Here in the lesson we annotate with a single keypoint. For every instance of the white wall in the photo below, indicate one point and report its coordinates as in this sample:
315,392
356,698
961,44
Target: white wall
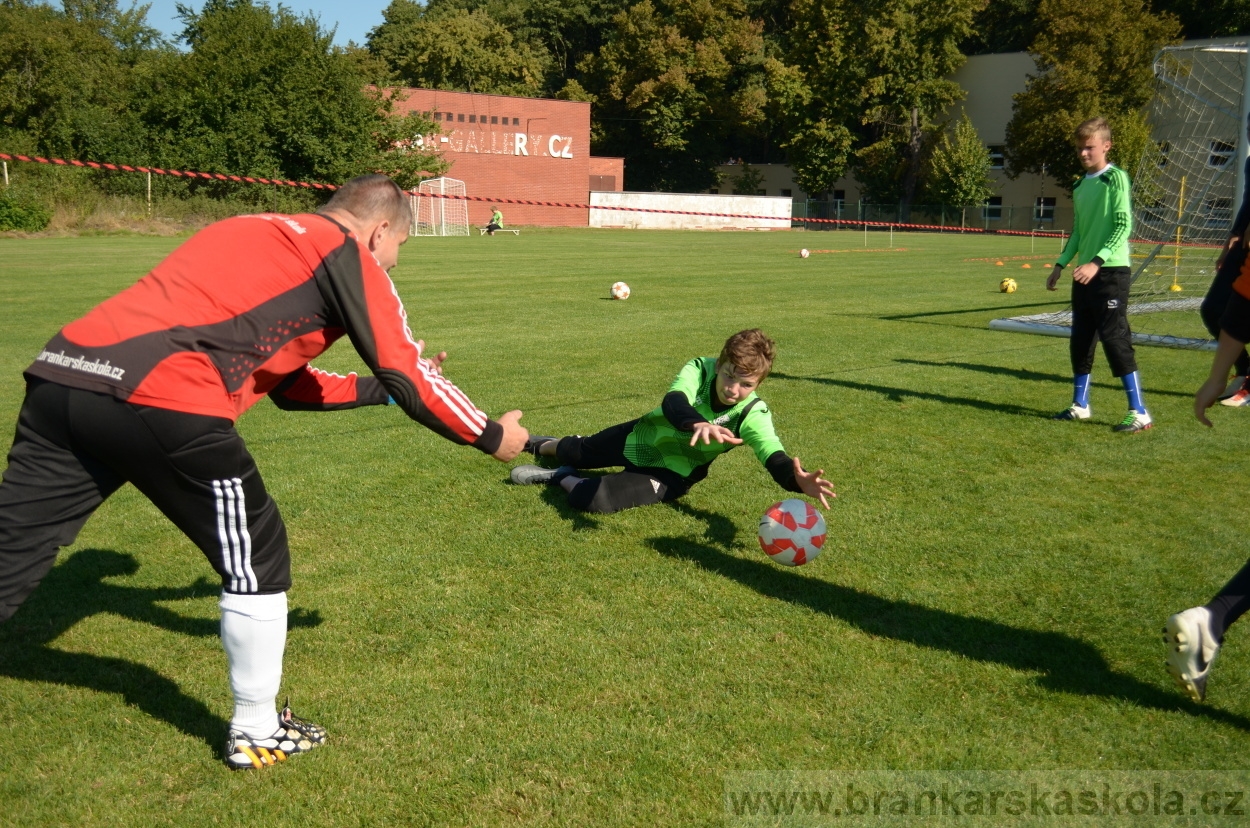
775,212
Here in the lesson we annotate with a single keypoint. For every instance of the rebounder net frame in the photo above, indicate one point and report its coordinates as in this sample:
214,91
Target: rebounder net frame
1186,190
436,210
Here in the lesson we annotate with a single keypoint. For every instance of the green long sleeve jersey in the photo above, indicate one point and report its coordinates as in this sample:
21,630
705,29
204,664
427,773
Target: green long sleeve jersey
1103,221
656,442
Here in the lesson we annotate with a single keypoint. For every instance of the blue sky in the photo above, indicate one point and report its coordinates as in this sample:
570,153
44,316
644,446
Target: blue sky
353,19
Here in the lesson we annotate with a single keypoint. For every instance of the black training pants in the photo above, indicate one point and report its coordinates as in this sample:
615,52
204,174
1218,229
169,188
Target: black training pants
635,486
1100,312
1216,300
74,448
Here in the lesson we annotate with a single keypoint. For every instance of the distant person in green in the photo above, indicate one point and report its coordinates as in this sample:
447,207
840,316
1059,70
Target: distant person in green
1100,282
496,221
709,409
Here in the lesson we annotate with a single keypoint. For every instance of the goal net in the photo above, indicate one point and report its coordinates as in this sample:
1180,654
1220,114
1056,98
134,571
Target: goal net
1186,191
434,213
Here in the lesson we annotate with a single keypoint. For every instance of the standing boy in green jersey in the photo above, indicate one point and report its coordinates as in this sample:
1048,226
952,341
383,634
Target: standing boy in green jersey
710,408
1100,282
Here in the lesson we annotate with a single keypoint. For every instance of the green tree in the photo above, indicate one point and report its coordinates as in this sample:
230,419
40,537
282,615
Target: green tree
67,78
675,80
959,171
1086,69
263,92
453,48
1208,18
880,71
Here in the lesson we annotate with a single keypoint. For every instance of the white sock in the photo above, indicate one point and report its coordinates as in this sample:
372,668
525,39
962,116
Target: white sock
253,633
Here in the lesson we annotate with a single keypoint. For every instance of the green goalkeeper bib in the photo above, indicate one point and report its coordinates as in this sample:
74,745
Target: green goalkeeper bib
656,443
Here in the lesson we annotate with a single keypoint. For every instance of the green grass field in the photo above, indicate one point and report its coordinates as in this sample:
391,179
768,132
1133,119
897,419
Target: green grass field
990,597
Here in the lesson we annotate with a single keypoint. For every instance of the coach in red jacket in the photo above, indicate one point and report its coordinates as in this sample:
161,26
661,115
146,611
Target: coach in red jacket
147,386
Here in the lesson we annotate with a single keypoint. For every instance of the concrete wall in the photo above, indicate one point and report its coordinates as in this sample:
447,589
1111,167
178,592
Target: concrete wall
776,211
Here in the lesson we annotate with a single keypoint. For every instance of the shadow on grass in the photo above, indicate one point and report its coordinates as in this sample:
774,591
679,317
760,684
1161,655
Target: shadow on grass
899,395
1035,376
75,591
1065,664
911,317
558,499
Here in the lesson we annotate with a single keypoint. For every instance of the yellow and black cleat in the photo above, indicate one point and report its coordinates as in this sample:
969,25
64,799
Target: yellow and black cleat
294,735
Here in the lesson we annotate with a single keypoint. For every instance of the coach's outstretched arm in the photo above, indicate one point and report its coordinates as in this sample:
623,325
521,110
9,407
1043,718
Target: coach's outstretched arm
359,292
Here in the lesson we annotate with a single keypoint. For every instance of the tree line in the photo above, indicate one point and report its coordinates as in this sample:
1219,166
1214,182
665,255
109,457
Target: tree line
677,86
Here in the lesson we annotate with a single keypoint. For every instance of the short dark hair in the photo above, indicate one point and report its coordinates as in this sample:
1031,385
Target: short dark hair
372,197
750,351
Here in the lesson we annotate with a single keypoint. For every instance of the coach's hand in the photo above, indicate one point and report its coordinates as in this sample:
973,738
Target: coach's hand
1054,277
707,432
514,436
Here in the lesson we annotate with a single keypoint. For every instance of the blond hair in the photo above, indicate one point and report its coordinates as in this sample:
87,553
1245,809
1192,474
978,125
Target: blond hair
1094,127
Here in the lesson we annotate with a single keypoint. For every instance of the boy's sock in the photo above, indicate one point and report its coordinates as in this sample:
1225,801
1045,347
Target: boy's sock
1080,390
1132,387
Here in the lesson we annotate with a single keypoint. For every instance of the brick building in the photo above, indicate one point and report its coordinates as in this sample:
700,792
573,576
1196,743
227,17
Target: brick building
524,148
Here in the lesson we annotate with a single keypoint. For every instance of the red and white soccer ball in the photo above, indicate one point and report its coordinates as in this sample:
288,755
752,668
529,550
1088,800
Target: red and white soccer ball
620,290
804,253
792,532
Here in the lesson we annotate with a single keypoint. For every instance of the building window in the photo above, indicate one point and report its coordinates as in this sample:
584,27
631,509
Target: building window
473,119
996,156
993,208
460,117
1221,153
1044,208
516,121
1219,212
788,193
494,119
714,192
438,116
839,198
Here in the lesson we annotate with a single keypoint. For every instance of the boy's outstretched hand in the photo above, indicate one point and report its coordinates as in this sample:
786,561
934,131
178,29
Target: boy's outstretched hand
707,432
813,484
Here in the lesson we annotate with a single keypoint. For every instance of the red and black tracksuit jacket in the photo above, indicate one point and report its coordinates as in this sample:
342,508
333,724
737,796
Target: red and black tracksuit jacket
238,311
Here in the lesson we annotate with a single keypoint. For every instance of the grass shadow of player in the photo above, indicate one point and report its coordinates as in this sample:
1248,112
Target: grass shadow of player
558,499
76,590
900,395
1063,663
914,317
1036,376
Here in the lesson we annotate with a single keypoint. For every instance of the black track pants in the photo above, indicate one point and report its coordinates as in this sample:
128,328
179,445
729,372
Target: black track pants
635,486
74,448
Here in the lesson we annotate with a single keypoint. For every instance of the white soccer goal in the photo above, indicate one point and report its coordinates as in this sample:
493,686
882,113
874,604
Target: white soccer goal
1186,190
433,214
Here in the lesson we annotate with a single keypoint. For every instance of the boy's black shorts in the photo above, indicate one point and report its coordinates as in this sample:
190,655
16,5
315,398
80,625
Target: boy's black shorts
635,486
74,448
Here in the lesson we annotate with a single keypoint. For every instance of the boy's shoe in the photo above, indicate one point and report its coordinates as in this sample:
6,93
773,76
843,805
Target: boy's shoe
1191,649
294,735
1235,385
533,443
525,475
1237,399
1073,412
1134,422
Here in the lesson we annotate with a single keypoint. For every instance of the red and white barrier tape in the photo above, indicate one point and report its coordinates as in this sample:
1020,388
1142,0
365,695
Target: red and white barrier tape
243,179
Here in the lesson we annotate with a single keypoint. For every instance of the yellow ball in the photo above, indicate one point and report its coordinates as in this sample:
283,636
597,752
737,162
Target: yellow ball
1007,286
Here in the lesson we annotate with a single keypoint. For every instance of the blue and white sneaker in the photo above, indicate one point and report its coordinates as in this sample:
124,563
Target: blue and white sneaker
1073,412
1191,649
